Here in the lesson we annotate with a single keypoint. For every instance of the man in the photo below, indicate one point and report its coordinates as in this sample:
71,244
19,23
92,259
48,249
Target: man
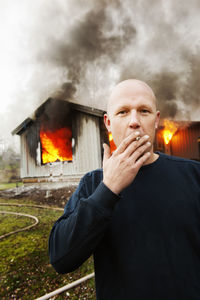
140,216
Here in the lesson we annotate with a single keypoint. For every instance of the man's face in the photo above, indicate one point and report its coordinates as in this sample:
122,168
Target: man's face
132,108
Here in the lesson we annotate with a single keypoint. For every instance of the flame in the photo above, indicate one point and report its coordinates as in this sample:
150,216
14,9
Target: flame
169,130
112,143
56,145
167,135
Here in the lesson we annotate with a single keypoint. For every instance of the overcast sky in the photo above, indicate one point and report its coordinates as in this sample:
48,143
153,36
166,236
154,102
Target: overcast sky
93,45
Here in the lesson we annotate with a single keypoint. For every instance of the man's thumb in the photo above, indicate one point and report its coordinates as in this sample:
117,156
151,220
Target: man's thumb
107,152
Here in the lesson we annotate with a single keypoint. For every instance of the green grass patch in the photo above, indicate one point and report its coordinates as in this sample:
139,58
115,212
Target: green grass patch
25,272
10,223
10,185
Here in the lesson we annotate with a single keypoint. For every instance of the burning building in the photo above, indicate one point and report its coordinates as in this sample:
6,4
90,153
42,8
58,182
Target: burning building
179,138
61,142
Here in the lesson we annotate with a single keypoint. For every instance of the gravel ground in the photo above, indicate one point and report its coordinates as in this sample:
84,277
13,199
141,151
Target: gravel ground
51,197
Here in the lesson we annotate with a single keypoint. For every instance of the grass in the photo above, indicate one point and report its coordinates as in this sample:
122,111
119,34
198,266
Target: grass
9,185
25,272
10,223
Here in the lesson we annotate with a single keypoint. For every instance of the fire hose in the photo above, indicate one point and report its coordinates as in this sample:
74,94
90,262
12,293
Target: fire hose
62,289
21,229
66,287
23,215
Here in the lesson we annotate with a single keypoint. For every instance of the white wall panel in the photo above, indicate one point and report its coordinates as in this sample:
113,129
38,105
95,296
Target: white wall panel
86,157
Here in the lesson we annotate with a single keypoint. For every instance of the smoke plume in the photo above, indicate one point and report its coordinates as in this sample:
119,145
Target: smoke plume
93,41
78,50
116,40
52,115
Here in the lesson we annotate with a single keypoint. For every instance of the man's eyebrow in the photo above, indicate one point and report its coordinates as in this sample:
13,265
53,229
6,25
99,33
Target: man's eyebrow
145,106
122,107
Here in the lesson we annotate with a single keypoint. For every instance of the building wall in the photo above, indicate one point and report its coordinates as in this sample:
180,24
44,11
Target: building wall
86,154
185,142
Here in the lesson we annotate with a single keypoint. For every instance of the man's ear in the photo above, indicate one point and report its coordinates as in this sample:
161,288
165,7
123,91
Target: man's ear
107,122
157,119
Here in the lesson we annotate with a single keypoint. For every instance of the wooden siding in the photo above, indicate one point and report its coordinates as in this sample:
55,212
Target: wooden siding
86,156
185,143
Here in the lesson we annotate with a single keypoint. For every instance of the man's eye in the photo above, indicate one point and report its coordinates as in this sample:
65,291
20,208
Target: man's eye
144,111
122,112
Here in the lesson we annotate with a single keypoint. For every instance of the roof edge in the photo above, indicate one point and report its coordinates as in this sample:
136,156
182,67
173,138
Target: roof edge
21,127
76,106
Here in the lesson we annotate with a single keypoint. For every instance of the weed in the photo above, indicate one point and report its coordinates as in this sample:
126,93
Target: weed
24,266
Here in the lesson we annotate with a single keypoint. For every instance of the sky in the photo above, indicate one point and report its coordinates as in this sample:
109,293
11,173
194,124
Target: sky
23,84
51,46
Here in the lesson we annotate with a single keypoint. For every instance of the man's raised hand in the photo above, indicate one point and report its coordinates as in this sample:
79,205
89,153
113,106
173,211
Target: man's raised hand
121,167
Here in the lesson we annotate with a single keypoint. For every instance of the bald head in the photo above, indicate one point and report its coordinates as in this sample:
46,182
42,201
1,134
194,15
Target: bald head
131,108
129,87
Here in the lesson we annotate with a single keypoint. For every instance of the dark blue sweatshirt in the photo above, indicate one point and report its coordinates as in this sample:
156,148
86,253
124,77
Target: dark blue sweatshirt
146,243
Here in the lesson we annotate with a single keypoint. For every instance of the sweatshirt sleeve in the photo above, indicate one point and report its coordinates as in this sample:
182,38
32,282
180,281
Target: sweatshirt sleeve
78,231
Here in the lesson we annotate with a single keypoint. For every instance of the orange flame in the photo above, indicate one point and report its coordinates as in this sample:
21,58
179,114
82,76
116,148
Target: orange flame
169,130
56,145
111,142
167,135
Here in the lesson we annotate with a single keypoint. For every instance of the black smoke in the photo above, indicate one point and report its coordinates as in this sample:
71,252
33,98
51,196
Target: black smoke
51,115
93,37
154,41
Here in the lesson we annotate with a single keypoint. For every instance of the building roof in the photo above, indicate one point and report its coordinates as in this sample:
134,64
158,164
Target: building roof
21,127
74,106
180,124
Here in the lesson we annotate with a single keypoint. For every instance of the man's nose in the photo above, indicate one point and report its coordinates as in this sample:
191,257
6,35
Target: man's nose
134,120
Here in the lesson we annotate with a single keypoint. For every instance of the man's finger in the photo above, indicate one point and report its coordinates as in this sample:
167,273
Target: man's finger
124,144
131,148
140,151
139,163
107,152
